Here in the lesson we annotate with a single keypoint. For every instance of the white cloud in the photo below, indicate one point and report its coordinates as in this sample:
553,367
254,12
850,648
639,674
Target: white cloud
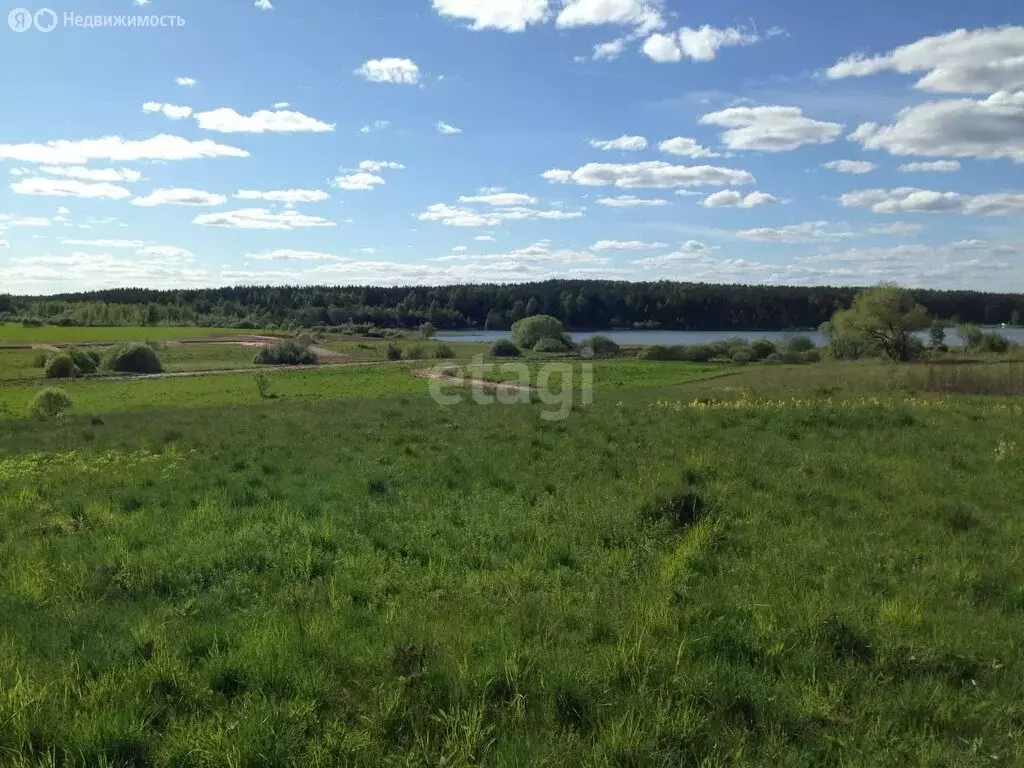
850,166
729,198
690,252
663,49
631,201
179,196
133,244
69,188
357,182
900,228
638,13
264,5
963,61
912,200
261,218
287,254
989,129
284,195
168,252
373,166
23,221
467,217
187,82
622,144
506,15
501,199
169,110
651,174
700,44
936,166
447,130
83,173
391,70
807,232
116,149
770,128
610,50
625,245
226,120
685,147
376,125
484,238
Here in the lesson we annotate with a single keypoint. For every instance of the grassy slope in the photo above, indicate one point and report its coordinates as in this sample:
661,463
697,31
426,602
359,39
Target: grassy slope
381,581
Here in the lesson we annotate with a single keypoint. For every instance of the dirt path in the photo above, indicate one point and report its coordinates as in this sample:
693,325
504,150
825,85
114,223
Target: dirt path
462,381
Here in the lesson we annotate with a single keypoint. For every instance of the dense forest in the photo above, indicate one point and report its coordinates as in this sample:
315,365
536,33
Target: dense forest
582,305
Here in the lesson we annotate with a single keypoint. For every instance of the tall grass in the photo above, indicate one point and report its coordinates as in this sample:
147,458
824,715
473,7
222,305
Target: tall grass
1005,378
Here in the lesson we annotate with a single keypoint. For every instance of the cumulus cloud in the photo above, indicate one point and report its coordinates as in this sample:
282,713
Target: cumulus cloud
261,218
373,166
625,245
187,82
288,254
936,166
104,243
631,201
622,144
913,200
69,188
116,149
502,199
455,216
610,50
283,195
179,196
82,173
850,166
264,5
729,198
447,130
357,182
651,174
23,221
963,61
701,44
807,232
685,147
989,128
169,110
376,125
226,120
506,15
896,228
642,14
390,70
771,128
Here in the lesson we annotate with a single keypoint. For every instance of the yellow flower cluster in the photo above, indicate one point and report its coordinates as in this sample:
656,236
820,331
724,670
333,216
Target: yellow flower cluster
32,465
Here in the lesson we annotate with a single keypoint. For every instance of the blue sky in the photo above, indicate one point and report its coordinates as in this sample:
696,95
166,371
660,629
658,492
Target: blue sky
444,141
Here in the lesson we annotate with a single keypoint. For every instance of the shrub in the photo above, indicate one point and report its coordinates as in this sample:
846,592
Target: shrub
50,403
773,359
444,352
31,322
86,360
133,358
993,342
799,344
59,367
415,352
549,345
262,383
601,346
719,359
700,353
39,361
791,356
285,352
530,330
662,352
428,331
742,356
504,348
812,356
394,351
761,348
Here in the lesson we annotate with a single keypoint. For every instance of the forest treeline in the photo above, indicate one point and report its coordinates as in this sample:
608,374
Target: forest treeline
583,305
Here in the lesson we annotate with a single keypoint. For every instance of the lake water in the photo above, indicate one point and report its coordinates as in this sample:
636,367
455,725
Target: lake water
696,337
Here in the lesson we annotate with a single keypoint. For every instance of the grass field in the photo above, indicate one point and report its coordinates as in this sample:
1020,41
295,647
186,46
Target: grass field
708,566
14,333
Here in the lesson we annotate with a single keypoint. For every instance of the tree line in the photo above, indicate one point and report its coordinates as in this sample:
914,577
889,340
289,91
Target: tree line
580,305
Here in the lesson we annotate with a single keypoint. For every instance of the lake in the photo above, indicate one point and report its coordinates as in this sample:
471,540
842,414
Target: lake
687,338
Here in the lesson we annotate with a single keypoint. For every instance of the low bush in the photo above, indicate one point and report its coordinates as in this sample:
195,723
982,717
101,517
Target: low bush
394,351
50,403
550,345
415,352
285,352
662,352
86,360
59,367
799,343
720,359
504,348
993,342
793,357
133,358
773,359
742,356
701,353
444,352
812,356
39,361
761,348
601,346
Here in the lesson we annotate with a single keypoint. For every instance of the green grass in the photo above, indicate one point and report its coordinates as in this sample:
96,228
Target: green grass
15,333
353,575
206,357
18,364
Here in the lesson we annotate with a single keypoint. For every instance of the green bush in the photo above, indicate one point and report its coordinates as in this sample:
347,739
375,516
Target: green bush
428,331
444,352
761,348
504,348
286,352
993,342
742,356
662,352
773,359
812,356
793,357
86,360
39,361
50,403
394,351
415,352
701,353
601,346
530,330
133,358
549,345
799,344
719,359
59,367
